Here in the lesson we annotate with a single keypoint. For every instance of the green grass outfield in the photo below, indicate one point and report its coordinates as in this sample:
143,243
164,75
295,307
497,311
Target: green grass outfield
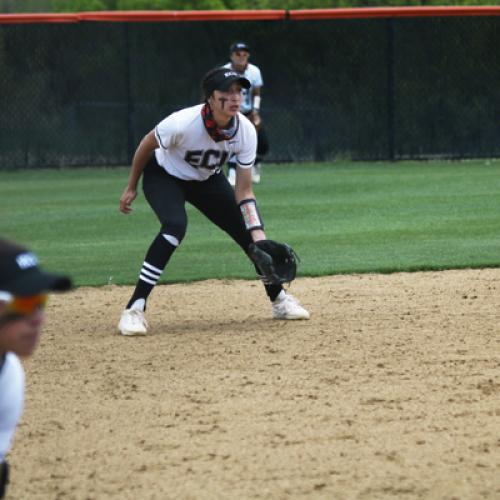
340,218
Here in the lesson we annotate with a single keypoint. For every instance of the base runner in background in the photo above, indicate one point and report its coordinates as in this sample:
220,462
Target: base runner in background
23,289
239,54
181,161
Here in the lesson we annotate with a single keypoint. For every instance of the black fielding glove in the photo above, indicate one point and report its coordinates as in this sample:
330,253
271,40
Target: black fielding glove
276,261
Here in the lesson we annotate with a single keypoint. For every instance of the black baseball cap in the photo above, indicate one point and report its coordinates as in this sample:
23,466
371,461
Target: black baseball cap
222,79
20,273
235,47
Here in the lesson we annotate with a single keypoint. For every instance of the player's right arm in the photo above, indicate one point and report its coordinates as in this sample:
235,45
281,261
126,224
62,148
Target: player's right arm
141,157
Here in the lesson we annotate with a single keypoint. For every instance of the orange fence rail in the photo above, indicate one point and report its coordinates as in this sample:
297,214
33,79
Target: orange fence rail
387,12
248,15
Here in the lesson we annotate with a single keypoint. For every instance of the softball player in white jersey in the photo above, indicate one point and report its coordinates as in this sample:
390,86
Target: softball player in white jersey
239,54
181,161
23,288
11,408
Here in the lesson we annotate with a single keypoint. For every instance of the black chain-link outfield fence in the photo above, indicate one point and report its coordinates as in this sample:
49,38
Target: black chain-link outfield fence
372,89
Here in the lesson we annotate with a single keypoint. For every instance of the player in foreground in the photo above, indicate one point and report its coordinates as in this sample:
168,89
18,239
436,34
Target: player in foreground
23,289
181,161
239,54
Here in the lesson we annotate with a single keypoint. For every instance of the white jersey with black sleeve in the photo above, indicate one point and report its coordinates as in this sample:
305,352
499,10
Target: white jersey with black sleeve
187,151
11,400
253,74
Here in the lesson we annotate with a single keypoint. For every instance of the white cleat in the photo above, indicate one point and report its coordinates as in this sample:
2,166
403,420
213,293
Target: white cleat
287,307
256,173
132,322
231,176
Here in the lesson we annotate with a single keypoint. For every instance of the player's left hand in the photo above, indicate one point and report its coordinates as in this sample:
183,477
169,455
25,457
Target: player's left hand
128,196
256,119
276,261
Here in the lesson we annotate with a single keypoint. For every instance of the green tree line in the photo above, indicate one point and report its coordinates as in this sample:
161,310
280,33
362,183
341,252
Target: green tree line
9,6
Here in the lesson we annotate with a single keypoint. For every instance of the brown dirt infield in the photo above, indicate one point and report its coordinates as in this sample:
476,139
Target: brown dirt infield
391,390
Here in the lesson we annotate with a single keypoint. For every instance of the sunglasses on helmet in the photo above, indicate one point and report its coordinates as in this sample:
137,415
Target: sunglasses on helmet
18,306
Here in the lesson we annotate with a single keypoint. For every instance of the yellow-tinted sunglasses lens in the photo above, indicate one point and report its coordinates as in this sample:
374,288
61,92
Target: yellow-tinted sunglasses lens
26,306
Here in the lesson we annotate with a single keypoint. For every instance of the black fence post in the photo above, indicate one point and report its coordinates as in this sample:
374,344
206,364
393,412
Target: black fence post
390,88
128,95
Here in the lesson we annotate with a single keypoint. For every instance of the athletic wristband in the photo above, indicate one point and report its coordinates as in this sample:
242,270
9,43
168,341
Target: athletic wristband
256,103
251,214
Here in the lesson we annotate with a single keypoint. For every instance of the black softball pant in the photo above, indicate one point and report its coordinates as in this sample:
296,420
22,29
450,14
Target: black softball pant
262,143
167,196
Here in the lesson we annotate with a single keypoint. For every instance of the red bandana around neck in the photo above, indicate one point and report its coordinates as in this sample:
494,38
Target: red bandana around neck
215,132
